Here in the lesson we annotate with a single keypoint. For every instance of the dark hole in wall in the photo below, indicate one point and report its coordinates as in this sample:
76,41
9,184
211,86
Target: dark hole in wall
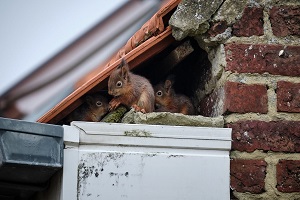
185,60
191,72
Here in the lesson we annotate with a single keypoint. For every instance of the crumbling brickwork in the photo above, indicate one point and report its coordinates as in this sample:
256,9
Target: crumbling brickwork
255,46
263,58
260,92
276,136
248,175
285,20
288,97
250,24
288,176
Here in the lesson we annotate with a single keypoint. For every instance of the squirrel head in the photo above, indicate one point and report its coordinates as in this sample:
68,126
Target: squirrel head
119,80
98,104
163,93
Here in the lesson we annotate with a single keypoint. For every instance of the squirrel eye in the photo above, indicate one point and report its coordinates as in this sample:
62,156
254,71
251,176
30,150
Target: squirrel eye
119,84
99,103
159,93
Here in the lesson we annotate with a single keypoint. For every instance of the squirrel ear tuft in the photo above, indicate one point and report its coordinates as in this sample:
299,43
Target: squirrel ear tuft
124,69
168,85
122,63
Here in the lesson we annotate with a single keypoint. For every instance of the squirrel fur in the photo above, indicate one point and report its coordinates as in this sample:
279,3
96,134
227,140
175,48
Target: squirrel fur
167,100
130,90
94,107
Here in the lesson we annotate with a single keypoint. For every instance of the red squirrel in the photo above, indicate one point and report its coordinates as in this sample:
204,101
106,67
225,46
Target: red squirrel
130,90
168,101
94,107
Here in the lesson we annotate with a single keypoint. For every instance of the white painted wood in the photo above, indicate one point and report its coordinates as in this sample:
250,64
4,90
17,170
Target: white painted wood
101,128
70,167
71,136
161,162
70,175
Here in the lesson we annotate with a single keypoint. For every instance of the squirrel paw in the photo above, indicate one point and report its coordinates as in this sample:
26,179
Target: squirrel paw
113,104
138,109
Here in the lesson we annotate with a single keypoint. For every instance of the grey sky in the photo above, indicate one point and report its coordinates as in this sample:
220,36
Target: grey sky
32,31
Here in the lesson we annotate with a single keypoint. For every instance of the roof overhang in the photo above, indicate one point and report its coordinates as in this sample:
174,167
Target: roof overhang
150,40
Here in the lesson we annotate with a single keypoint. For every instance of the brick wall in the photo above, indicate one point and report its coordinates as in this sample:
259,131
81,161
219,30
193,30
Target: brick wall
259,94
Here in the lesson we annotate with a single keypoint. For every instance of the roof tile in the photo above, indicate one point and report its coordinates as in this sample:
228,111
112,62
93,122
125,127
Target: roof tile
153,37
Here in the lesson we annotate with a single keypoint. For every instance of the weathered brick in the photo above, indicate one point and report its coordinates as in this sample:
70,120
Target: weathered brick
288,176
242,98
250,24
217,28
248,175
288,96
285,20
278,136
273,59
213,104
235,98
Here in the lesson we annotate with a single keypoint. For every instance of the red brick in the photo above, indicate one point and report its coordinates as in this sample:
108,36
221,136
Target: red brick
237,98
246,58
285,20
248,175
242,98
288,96
250,24
277,136
217,28
288,176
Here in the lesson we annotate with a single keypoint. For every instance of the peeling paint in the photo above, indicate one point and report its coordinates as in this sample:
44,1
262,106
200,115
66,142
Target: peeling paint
175,156
137,133
92,165
120,175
